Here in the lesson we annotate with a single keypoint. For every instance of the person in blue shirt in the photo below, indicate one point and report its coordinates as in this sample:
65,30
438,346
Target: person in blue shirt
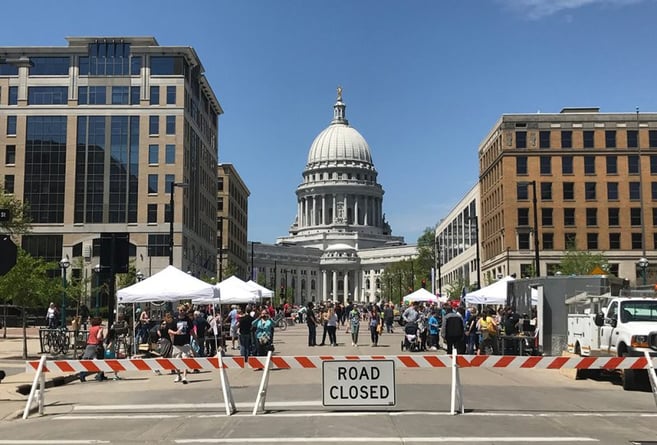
433,331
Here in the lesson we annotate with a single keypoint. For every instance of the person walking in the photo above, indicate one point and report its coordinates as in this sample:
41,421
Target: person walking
388,317
311,321
375,325
181,331
94,348
264,332
453,331
245,327
354,324
332,325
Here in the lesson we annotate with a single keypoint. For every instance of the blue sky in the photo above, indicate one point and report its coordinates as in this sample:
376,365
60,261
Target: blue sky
424,81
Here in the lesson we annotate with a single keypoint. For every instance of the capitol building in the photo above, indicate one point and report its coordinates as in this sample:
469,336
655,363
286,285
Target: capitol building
340,242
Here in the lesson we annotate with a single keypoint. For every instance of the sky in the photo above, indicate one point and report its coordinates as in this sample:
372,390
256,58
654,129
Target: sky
424,81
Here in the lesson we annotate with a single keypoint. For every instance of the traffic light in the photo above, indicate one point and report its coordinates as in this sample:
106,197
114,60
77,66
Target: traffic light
424,283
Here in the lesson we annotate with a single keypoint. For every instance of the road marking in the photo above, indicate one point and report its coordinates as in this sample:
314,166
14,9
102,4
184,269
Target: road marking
51,442
188,406
400,440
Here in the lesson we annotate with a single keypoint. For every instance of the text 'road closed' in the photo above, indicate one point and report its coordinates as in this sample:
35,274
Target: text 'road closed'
358,383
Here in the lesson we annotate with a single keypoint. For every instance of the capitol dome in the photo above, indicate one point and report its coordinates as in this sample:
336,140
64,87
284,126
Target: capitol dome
339,142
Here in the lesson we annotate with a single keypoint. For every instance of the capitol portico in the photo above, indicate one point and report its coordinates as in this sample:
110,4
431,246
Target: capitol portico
342,241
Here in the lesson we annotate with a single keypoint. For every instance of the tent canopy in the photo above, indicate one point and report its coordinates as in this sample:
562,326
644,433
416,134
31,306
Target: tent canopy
231,291
170,284
423,295
261,290
495,293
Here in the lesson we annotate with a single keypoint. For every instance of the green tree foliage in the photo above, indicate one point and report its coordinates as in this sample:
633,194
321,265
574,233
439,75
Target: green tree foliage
28,284
579,262
426,255
455,289
401,278
19,221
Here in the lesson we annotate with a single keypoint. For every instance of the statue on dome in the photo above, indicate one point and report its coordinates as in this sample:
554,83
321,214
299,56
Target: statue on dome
339,93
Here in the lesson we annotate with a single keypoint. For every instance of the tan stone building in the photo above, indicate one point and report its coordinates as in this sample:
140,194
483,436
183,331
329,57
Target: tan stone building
232,221
587,180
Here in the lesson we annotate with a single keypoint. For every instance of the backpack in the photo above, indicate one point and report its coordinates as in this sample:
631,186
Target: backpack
453,326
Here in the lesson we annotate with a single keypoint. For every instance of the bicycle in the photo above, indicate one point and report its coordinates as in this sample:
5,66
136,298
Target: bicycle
57,341
280,321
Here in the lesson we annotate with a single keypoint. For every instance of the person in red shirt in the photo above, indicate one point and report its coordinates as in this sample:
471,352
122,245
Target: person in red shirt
94,349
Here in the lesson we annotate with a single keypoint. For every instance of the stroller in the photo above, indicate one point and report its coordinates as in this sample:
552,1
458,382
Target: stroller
411,341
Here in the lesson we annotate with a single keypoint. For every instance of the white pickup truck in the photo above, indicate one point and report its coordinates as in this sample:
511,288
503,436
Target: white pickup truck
621,329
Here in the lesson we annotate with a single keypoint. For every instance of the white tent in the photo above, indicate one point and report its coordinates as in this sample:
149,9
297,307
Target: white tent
261,290
423,295
231,291
170,284
495,293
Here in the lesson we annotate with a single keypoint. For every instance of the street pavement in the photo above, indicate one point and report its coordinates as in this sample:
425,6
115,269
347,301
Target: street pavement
506,404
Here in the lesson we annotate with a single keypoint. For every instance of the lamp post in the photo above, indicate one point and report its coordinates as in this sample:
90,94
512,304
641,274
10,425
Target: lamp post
643,265
221,247
139,276
537,269
476,233
252,274
63,265
171,213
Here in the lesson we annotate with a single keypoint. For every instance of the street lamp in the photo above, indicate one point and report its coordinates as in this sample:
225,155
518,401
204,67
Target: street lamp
171,213
252,243
63,265
139,275
643,265
476,233
221,247
537,269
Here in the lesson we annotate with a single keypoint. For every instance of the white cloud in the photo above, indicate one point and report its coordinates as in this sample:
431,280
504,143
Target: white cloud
537,9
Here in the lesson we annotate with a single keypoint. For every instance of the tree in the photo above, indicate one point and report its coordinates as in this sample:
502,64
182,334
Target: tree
28,284
578,262
19,220
426,252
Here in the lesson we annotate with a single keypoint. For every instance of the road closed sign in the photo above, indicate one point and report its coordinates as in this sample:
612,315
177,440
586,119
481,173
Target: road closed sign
358,383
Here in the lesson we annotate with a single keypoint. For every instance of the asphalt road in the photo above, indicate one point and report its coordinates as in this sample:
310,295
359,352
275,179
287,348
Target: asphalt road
502,406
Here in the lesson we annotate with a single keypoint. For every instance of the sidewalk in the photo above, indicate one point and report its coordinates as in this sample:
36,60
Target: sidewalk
292,342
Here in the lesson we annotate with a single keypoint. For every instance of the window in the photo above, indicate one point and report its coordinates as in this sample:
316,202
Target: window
592,241
8,70
522,191
633,164
153,153
568,191
589,191
637,242
523,216
521,165
152,213
614,241
546,191
635,191
591,217
158,245
613,214
568,216
170,154
652,138
610,138
153,125
567,165
632,138
106,58
167,65
168,182
546,165
49,66
10,155
566,139
570,240
11,125
523,241
635,216
135,65
654,216
612,191
544,139
589,165
546,216
47,95
220,184
13,95
653,191
653,164
521,139
155,95
152,183
92,96
171,124
220,204
9,184
120,95
548,241
612,165
167,213
588,139
171,95
135,95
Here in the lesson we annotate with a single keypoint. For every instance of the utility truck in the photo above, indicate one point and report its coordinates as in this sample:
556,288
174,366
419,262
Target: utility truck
618,326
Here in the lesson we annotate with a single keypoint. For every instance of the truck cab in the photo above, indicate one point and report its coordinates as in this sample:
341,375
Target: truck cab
625,326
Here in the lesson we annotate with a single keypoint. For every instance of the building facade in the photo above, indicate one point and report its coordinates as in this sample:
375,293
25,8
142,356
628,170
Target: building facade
340,221
93,136
578,179
232,222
